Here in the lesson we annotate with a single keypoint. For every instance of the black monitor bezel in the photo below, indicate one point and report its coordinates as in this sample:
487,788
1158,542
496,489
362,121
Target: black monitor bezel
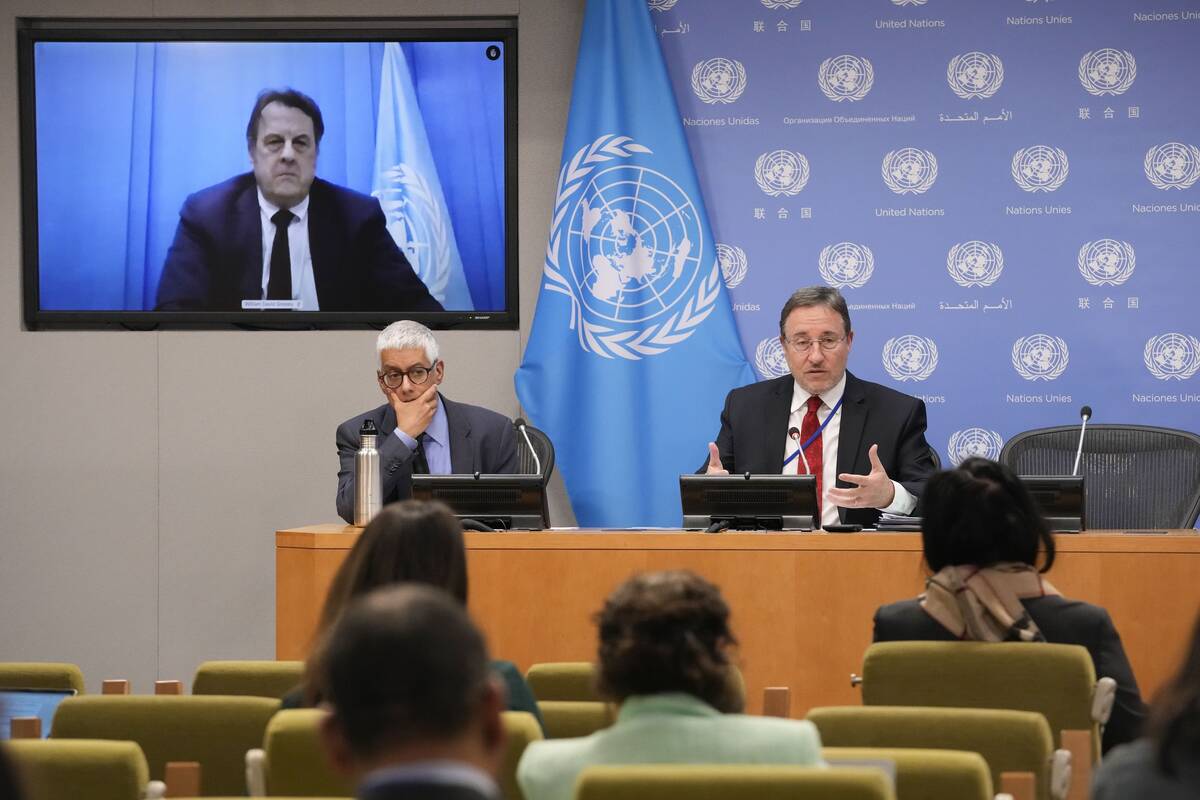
801,489
520,516
1069,487
31,30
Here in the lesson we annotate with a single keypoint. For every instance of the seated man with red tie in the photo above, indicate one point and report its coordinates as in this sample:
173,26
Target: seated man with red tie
418,429
865,443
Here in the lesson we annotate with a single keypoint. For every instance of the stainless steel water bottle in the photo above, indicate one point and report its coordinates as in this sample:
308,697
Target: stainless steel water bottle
368,490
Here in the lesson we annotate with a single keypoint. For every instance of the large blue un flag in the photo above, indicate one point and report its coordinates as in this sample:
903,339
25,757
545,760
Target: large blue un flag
633,346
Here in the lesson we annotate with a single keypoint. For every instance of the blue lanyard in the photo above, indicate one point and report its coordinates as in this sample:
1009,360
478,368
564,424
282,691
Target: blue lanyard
816,433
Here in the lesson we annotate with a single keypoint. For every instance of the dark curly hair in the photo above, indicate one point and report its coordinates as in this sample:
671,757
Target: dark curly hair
666,632
1175,714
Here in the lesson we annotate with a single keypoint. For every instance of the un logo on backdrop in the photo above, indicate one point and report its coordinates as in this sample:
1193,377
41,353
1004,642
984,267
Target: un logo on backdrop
626,247
975,263
1106,262
909,2
971,442
1107,71
975,74
719,80
910,358
909,170
1040,357
1173,165
846,78
846,264
1172,356
733,264
781,172
769,358
1040,168
661,5
773,4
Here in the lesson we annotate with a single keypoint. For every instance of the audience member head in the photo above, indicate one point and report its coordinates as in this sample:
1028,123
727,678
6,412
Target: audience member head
412,541
406,675
981,514
667,632
10,786
1175,714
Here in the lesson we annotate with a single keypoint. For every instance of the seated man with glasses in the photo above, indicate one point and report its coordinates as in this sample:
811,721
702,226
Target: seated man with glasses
865,443
420,430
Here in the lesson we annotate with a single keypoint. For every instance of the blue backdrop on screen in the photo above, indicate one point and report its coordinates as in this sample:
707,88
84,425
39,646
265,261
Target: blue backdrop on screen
1006,191
125,131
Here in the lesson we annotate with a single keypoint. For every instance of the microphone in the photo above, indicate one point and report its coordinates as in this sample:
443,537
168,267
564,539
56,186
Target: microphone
1085,414
519,422
794,434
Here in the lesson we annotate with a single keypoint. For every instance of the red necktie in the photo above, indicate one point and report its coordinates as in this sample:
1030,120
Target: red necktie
815,451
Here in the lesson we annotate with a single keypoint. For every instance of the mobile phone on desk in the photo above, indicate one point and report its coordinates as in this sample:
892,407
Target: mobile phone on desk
842,528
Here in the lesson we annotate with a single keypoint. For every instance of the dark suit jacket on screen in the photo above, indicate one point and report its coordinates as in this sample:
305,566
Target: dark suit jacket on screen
754,427
1061,621
480,441
216,259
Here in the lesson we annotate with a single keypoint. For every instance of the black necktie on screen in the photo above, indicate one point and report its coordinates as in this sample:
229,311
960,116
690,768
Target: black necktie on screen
280,285
420,465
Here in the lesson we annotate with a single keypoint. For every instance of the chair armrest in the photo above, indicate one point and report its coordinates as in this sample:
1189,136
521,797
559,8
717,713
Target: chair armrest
256,772
1103,697
1060,774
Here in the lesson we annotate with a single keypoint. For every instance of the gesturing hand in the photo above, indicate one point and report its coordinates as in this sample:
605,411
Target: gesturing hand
874,490
714,461
413,416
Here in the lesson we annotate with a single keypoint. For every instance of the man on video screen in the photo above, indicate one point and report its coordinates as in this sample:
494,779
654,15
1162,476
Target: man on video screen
281,238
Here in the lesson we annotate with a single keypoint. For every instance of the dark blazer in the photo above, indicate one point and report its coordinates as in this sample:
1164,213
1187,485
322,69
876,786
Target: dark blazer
1061,621
424,790
754,425
216,259
480,441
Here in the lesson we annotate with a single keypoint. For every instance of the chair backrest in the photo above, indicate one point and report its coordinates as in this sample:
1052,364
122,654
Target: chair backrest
520,728
569,719
923,774
1136,476
215,731
69,770
1010,741
731,782
296,763
576,681
937,458
542,446
249,678
1055,680
40,675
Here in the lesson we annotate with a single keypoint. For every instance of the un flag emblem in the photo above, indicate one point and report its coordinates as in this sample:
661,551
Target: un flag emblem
1172,356
719,80
1107,71
627,248
1040,357
1173,165
910,358
1040,168
769,358
846,78
661,5
781,172
1106,262
975,74
973,442
975,263
846,264
734,264
909,170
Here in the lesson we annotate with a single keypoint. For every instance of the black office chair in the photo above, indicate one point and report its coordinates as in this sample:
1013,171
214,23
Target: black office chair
1136,476
937,459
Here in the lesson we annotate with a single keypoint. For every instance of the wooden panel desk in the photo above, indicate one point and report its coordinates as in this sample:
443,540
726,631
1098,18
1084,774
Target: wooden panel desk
802,603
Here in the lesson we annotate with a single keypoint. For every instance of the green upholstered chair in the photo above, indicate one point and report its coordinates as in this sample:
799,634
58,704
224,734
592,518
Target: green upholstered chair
520,728
731,782
69,770
214,731
567,719
576,680
252,678
40,675
925,774
1010,741
1055,680
291,761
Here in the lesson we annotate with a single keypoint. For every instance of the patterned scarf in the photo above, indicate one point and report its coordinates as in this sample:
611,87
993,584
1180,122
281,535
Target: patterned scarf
984,604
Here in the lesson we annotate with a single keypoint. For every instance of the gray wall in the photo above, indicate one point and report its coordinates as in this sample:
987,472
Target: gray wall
143,474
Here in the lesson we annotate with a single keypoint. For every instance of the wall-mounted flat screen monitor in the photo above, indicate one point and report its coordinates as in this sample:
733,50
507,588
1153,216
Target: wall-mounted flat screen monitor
268,172
1061,499
748,502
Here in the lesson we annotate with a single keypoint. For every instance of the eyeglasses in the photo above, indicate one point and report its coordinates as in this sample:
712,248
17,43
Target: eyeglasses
416,376
827,343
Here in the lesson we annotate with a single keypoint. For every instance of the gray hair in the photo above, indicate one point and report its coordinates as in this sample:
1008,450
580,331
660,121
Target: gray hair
815,296
405,334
